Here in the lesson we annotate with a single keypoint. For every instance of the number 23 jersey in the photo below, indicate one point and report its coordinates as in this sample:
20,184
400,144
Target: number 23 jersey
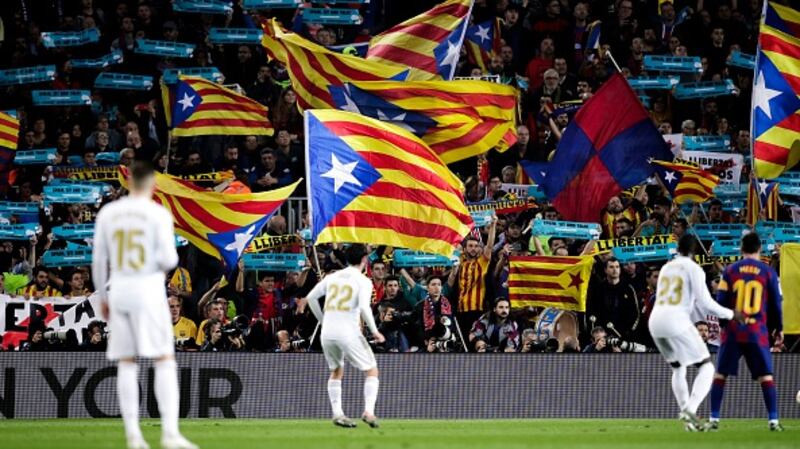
681,290
752,287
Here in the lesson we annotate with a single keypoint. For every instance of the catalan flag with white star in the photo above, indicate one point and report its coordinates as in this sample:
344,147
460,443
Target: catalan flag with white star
198,107
768,197
374,182
776,93
549,281
685,181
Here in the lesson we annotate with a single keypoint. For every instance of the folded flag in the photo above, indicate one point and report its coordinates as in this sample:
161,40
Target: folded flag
429,44
606,148
776,93
753,204
457,119
768,193
221,225
685,181
9,131
374,182
483,42
542,281
198,107
313,68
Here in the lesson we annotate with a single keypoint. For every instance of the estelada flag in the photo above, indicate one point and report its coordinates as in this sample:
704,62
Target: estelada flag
549,281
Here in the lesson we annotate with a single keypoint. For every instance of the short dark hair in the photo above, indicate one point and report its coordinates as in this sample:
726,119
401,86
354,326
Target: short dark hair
499,299
391,278
608,261
683,222
436,276
141,171
355,253
39,268
687,245
751,243
663,202
715,202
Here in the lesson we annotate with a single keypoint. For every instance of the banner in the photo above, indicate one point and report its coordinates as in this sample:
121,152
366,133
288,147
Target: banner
103,173
274,262
732,247
675,142
19,207
123,81
57,258
332,16
59,314
707,143
719,231
566,229
681,64
649,253
74,232
403,258
704,89
53,39
28,75
727,166
61,97
704,260
35,157
524,191
274,241
602,246
265,4
653,82
72,194
23,231
107,158
217,176
115,57
503,206
167,49
202,6
742,60
790,183
213,74
482,217
246,36
790,279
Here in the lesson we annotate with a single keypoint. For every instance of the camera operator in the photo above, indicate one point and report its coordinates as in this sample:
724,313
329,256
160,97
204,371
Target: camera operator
390,323
437,318
36,341
600,342
499,331
285,343
95,340
217,341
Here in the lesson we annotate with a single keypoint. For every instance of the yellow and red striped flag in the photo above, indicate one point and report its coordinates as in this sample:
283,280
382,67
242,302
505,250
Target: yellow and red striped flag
373,182
768,196
549,281
313,68
685,181
429,44
198,107
457,119
753,204
9,131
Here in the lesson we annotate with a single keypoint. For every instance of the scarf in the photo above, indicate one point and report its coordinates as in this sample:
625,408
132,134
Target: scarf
429,311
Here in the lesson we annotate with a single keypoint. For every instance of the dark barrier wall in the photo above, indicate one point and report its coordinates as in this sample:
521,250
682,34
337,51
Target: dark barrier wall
45,385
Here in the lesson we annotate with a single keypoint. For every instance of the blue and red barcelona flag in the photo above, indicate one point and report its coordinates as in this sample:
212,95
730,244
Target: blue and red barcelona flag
607,148
374,182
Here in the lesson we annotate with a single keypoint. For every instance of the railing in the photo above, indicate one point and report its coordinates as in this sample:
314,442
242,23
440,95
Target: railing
293,209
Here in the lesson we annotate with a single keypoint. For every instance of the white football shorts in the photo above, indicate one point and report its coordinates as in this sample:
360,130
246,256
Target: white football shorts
354,349
139,323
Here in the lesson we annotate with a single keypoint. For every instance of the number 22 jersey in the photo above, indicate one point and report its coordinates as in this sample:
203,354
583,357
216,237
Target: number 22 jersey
752,287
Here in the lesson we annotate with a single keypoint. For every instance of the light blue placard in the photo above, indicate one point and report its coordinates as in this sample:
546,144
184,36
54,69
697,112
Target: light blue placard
19,207
653,82
732,247
707,143
249,36
704,89
730,191
107,158
72,194
212,74
53,39
332,16
403,258
61,97
123,81
719,231
679,64
164,48
305,233
566,229
35,157
482,217
11,112
28,75
105,188
789,183
787,235
115,57
267,4
742,60
180,241
74,232
23,231
202,6
274,261
67,257
645,253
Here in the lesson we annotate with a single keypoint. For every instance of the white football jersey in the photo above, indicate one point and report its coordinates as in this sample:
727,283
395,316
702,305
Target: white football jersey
133,238
681,293
348,294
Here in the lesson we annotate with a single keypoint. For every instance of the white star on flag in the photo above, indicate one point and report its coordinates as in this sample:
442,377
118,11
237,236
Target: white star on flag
186,102
349,104
670,177
451,58
398,121
482,33
240,240
341,173
763,95
762,187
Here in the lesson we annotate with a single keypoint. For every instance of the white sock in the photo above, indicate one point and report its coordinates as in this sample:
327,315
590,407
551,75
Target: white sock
701,386
370,394
335,395
166,386
128,396
680,387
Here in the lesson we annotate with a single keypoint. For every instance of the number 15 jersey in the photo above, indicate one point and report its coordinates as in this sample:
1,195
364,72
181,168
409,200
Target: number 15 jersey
681,290
752,287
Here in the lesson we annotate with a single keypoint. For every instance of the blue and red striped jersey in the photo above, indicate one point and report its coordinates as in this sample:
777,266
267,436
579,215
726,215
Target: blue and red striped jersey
752,287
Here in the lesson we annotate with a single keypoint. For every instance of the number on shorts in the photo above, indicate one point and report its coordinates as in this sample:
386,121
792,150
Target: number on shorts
130,251
670,290
748,296
338,298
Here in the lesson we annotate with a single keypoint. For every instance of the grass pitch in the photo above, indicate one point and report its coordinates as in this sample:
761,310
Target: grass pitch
405,434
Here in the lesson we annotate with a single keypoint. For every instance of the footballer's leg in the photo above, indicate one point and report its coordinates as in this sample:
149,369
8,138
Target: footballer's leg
167,391
128,394
370,397
335,396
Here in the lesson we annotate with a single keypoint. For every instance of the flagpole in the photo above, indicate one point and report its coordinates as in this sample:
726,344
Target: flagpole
169,147
614,61
754,174
689,224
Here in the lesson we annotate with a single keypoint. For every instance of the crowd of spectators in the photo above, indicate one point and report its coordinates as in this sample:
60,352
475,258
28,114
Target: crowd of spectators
425,309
